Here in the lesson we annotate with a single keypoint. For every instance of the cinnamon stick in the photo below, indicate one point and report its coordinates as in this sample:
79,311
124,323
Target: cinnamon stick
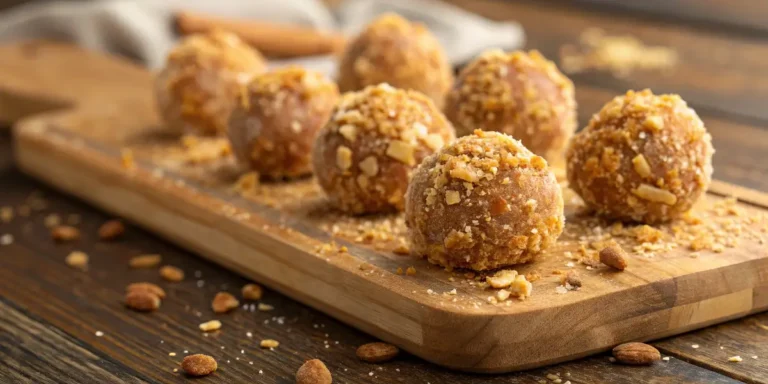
271,39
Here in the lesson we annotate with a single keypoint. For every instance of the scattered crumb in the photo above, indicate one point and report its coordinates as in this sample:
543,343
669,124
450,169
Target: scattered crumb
65,233
410,271
252,292
126,159
111,230
265,307
198,365
6,239
77,259
224,302
52,220
208,326
99,333
145,261
735,359
171,273
502,279
377,352
313,372
142,300
694,346
269,343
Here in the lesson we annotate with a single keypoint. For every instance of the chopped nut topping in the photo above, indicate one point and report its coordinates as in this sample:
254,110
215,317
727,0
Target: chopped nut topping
171,273
502,279
521,288
224,302
401,151
209,326
77,259
452,197
252,292
614,257
269,343
641,166
370,166
343,158
348,131
434,141
198,365
145,261
658,195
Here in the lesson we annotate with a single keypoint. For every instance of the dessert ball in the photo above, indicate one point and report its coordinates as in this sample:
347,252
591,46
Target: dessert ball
642,158
199,85
273,127
521,94
405,55
363,158
483,202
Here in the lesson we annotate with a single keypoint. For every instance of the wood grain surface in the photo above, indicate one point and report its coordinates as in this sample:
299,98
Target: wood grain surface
740,138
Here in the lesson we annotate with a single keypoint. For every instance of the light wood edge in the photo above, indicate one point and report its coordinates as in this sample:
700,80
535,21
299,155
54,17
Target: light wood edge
744,194
480,342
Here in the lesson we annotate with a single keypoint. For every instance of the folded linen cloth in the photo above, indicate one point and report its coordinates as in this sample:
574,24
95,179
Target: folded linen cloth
143,29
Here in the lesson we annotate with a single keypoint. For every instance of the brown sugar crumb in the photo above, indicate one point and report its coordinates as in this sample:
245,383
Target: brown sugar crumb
199,365
224,302
77,259
377,352
171,273
126,159
572,278
142,301
252,292
65,233
648,234
210,326
145,261
111,230
269,343
313,372
614,257
410,271
146,287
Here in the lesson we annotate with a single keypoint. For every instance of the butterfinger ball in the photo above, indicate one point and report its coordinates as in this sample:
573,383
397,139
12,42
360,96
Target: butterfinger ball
273,127
395,51
363,158
198,87
643,157
520,94
483,202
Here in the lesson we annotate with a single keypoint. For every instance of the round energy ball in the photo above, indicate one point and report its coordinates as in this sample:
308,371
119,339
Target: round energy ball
199,85
643,158
273,127
521,94
363,158
483,202
405,55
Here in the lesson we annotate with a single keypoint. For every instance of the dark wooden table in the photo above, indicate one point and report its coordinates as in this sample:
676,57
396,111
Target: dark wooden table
58,324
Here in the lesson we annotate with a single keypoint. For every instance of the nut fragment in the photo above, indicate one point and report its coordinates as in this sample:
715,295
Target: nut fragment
636,354
143,301
614,257
77,259
521,288
171,273
269,343
313,372
657,195
111,230
343,158
502,279
145,261
208,326
224,302
573,279
641,165
401,151
199,365
64,233
147,287
252,292
377,352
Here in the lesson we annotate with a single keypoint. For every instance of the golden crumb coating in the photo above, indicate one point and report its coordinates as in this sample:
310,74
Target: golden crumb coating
199,85
483,202
273,127
521,94
395,51
642,158
363,158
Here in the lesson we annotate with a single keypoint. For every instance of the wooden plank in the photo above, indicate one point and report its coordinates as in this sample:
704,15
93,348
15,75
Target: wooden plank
83,302
34,352
723,74
712,347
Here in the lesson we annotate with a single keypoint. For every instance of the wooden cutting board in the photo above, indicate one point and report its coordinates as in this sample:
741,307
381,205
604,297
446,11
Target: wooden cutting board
114,153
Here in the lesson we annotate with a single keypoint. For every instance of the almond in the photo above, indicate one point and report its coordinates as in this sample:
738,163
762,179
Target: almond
147,287
377,352
145,261
614,257
142,301
313,372
252,292
199,365
171,273
636,354
111,230
224,302
64,233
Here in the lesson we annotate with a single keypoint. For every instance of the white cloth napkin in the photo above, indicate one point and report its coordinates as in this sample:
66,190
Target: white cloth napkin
143,29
